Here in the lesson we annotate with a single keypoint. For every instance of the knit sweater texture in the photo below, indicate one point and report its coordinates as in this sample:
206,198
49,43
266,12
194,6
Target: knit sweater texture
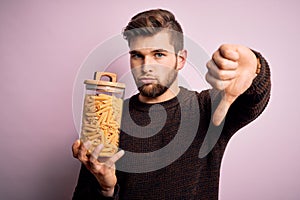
183,174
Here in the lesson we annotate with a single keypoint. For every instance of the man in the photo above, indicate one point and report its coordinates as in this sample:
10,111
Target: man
240,80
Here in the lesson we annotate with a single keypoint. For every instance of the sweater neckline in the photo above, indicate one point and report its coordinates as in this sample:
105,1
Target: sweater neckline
137,104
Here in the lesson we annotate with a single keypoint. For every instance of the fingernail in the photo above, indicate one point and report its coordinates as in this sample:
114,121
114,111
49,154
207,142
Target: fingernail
100,146
87,144
235,54
97,150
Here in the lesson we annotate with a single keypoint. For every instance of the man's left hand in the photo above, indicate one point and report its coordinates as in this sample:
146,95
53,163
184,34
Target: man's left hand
231,70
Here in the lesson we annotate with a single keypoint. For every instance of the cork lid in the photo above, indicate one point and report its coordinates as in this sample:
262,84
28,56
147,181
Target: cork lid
112,80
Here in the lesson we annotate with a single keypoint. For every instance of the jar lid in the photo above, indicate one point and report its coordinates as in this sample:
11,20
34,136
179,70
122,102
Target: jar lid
112,80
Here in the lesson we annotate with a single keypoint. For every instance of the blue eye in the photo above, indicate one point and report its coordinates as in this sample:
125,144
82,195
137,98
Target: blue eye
136,56
159,55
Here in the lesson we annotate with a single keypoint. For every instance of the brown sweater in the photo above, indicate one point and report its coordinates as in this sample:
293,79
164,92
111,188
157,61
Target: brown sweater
179,172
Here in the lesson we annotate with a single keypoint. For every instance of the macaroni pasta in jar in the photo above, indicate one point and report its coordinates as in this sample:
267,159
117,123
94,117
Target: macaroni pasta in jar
102,113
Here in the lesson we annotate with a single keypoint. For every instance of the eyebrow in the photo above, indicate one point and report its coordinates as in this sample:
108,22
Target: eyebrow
154,51
159,50
134,52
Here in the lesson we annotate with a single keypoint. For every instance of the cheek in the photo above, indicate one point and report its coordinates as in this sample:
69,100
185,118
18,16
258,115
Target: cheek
136,72
164,72
135,63
169,63
132,64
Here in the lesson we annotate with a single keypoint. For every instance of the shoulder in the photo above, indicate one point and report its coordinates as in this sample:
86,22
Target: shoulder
203,97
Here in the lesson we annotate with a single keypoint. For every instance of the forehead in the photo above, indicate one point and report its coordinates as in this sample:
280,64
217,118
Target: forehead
161,40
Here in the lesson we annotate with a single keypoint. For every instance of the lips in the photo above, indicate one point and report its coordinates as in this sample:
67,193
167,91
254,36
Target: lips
147,80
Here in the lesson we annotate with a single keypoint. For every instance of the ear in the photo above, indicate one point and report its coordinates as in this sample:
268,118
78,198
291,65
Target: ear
181,59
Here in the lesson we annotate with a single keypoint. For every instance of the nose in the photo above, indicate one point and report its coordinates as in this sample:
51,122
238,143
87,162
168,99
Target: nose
147,64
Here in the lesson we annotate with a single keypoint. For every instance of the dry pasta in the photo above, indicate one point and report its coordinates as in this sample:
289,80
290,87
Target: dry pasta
101,122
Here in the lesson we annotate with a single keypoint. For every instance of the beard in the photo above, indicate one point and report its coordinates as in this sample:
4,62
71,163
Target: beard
153,90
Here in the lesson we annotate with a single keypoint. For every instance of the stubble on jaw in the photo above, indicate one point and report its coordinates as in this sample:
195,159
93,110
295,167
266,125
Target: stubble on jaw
154,90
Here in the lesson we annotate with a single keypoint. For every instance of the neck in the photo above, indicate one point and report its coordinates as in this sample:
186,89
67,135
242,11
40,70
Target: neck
167,95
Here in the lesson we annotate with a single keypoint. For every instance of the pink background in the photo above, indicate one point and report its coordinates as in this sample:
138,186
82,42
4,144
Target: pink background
43,43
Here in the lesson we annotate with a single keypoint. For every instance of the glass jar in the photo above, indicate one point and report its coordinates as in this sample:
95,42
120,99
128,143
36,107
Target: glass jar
102,112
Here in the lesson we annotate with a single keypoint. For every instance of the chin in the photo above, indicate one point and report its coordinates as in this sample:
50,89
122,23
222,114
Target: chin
152,90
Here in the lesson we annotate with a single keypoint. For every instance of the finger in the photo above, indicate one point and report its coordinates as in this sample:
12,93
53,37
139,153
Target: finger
82,154
111,161
229,52
222,109
96,152
75,148
93,160
224,63
117,156
86,145
220,73
216,83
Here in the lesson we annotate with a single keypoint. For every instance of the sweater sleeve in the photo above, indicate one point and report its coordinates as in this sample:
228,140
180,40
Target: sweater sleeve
252,102
248,106
88,188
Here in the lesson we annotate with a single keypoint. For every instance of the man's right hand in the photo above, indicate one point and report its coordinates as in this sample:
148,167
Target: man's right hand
105,171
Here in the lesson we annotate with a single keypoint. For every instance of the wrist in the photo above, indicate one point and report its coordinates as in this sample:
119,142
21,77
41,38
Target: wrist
258,67
108,192
258,61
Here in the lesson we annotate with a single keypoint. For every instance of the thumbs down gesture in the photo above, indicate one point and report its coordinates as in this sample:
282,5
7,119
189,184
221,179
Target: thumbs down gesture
230,71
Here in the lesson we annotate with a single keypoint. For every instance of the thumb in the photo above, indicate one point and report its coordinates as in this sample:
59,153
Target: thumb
222,109
75,148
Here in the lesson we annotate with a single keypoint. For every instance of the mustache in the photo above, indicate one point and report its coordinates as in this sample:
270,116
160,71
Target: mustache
145,80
